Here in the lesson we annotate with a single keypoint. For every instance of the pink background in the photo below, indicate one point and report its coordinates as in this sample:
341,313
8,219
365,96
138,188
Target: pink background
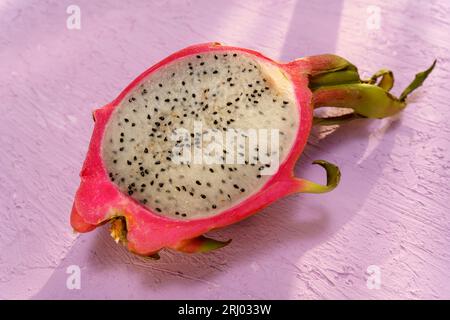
391,209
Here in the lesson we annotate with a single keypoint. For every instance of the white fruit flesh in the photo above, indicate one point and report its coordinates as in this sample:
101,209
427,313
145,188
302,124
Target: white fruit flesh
221,91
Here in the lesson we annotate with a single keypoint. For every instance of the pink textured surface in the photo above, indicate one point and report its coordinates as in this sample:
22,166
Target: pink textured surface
391,209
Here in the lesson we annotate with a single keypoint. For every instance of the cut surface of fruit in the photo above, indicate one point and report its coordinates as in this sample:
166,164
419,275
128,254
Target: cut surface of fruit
217,98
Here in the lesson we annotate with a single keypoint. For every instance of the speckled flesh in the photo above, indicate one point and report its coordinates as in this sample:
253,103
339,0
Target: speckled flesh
229,93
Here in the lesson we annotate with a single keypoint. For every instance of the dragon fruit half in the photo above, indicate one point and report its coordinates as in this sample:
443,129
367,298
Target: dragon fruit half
138,176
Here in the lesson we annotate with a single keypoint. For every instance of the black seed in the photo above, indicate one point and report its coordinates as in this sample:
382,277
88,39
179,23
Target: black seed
203,196
161,184
177,213
236,186
214,206
198,182
130,192
242,190
126,120
215,72
199,56
258,176
211,170
158,209
129,162
183,215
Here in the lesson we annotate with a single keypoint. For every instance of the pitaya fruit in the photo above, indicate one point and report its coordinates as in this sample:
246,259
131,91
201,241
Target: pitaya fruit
130,178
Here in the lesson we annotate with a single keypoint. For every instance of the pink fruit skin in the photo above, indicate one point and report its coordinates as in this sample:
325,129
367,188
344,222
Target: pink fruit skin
98,199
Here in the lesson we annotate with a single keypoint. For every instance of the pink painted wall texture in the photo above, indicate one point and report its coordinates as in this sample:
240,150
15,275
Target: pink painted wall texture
391,210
